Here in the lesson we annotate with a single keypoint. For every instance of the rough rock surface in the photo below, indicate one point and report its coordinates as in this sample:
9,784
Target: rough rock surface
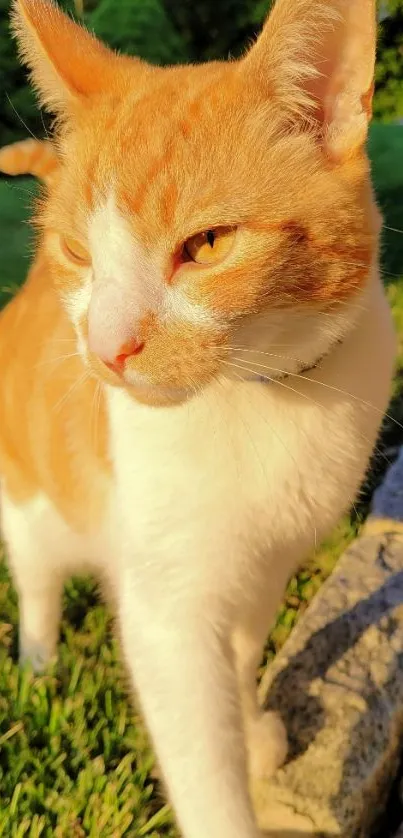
338,685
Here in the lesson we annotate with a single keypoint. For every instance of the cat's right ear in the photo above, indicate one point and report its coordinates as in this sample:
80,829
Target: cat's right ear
316,58
68,65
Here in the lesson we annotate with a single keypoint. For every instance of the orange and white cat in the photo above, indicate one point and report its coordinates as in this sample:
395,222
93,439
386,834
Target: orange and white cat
194,374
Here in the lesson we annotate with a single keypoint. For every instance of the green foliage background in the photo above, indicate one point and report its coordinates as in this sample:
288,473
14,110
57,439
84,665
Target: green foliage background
177,31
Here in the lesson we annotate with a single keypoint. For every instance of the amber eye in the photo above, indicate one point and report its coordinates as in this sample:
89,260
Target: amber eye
75,251
210,246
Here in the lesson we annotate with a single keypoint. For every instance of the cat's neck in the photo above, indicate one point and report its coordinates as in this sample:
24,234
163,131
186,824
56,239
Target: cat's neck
297,341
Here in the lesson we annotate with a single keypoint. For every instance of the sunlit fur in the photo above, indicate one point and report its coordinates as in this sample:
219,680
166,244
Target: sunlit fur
29,157
194,478
314,248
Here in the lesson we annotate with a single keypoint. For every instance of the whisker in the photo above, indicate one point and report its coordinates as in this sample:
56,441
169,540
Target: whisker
96,402
393,229
30,192
57,360
374,447
100,393
246,369
282,345
261,352
20,118
69,392
332,387
44,126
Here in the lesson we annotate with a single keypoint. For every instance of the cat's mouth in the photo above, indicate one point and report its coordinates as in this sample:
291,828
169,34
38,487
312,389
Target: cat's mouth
165,371
139,385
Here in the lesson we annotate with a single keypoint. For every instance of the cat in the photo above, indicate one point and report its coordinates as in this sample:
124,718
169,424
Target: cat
195,371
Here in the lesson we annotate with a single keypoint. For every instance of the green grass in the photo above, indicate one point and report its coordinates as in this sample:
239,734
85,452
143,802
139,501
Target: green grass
74,758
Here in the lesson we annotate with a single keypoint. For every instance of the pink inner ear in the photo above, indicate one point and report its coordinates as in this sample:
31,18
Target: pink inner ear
347,64
346,88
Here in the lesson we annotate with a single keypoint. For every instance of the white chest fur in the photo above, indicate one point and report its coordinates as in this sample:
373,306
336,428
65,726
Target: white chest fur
249,474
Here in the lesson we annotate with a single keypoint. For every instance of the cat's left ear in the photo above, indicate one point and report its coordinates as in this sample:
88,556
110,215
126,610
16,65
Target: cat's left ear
68,64
317,58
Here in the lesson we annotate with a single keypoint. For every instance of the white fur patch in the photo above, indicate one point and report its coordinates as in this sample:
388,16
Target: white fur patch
117,256
129,284
284,341
77,303
179,307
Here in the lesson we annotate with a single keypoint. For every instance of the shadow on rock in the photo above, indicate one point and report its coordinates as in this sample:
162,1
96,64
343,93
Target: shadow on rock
289,692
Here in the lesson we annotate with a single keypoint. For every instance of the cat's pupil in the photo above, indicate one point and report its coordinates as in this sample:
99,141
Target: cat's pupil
211,238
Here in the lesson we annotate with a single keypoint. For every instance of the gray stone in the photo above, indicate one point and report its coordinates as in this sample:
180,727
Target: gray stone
387,502
338,685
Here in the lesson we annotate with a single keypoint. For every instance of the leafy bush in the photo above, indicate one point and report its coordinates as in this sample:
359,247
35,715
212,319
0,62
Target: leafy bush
12,83
216,29
389,75
139,27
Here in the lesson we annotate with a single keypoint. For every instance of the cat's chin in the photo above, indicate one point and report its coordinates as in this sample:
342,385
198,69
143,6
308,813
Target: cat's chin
158,396
138,387
153,394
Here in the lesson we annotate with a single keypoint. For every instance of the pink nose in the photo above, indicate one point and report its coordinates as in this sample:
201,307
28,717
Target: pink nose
127,350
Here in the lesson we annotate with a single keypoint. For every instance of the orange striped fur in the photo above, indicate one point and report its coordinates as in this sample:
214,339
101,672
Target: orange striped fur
50,406
29,157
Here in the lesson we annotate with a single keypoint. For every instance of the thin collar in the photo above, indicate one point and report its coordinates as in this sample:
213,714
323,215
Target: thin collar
268,379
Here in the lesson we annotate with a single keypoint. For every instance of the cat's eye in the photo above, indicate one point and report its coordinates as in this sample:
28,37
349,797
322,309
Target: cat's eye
75,251
210,246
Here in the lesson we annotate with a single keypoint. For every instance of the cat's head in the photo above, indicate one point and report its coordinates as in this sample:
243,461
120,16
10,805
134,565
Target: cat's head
203,208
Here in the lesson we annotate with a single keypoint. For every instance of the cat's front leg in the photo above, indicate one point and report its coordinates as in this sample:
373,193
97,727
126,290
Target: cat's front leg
182,667
38,577
266,735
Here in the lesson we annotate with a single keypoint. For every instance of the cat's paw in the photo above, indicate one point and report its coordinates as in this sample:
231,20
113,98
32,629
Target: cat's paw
36,656
267,745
